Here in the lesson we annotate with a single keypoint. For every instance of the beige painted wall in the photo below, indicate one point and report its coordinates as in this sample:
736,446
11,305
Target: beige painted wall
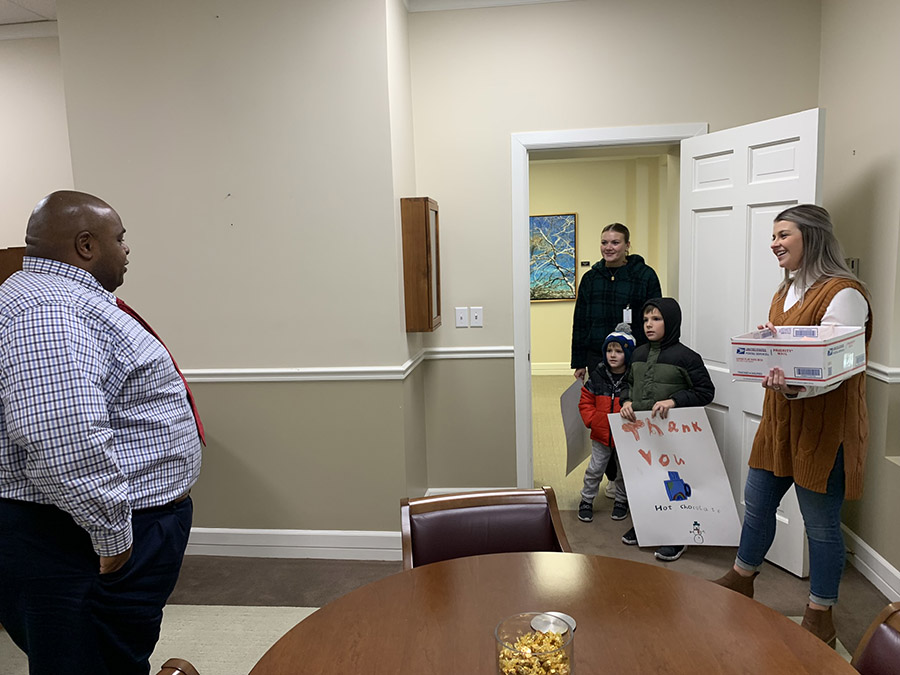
248,148
860,53
480,75
860,57
33,132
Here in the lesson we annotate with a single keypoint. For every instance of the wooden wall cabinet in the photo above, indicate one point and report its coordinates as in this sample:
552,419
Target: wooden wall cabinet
10,261
421,264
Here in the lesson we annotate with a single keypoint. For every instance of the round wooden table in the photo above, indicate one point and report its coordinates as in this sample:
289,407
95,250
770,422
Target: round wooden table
632,618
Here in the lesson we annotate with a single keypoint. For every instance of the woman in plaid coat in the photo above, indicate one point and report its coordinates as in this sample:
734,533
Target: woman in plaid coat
608,292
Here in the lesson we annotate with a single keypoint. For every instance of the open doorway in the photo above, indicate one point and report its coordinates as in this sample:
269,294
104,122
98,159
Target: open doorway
730,186
636,185
522,147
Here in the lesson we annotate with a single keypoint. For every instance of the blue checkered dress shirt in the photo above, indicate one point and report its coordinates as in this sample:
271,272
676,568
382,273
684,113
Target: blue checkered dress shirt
93,416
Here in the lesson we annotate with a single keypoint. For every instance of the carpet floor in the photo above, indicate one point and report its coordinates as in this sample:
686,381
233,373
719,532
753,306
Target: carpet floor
216,639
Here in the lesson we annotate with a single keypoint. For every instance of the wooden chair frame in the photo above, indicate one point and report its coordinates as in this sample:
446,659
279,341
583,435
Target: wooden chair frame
178,667
411,507
889,615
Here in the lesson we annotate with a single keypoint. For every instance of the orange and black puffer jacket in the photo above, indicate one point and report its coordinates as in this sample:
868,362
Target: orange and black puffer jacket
600,396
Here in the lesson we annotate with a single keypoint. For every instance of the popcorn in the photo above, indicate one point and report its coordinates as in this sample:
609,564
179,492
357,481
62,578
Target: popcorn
535,653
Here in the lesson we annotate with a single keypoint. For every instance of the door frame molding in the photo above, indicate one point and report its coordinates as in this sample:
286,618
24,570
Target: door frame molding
520,145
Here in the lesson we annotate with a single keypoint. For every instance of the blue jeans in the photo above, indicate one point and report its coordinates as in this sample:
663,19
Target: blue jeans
821,518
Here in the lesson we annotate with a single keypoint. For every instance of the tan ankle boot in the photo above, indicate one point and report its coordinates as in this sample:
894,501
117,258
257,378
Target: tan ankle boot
738,582
819,623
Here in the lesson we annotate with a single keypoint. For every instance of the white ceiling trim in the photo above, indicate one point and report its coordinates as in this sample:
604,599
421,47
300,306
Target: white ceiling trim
16,12
441,5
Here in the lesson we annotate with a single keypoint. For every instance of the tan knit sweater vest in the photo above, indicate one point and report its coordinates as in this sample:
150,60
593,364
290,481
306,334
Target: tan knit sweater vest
801,437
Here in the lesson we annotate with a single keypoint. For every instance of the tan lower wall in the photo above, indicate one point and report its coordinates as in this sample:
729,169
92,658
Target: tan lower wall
873,518
470,423
414,433
301,455
341,455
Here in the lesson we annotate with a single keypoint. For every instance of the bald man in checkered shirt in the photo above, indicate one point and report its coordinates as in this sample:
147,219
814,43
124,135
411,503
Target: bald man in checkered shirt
99,448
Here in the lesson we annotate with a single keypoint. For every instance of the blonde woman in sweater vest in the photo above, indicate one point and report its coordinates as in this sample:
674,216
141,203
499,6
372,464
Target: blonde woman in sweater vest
812,437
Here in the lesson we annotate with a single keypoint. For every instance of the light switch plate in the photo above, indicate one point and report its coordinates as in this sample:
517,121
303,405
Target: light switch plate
462,317
477,317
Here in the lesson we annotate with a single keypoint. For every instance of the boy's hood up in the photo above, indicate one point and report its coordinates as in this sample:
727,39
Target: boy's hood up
671,314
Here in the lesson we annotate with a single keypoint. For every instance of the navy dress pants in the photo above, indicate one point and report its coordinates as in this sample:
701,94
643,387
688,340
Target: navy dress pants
67,617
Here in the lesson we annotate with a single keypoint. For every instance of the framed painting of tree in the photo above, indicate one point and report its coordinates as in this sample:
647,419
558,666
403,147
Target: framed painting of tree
552,243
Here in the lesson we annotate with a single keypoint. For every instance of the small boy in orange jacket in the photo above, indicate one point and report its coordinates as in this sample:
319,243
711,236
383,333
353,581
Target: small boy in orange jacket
599,397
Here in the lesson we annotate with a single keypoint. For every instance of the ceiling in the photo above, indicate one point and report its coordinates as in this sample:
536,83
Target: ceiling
436,5
32,11
27,11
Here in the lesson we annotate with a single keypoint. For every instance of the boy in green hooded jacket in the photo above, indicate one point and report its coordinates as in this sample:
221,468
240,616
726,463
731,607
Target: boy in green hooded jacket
664,374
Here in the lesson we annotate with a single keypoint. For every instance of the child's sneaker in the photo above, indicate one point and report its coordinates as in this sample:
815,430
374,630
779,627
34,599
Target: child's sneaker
620,510
585,511
669,553
630,538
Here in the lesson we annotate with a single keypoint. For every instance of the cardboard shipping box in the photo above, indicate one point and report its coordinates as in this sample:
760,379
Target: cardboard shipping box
809,355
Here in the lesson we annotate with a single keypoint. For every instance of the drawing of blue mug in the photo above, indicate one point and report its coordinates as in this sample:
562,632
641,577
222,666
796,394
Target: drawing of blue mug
676,488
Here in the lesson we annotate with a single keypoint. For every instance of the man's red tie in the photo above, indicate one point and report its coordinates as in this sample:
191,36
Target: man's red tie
137,317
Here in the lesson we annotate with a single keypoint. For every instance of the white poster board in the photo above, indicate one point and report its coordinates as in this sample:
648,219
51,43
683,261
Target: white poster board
678,491
578,436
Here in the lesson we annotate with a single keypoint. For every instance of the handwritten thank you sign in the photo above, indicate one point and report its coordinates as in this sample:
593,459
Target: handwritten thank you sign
678,491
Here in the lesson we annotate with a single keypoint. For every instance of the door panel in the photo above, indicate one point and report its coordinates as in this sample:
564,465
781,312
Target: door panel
774,161
733,183
713,234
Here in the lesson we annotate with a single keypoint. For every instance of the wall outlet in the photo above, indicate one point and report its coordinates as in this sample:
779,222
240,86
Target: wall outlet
462,317
477,317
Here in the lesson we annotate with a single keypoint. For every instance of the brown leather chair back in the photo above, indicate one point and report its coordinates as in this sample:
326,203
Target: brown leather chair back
878,652
476,523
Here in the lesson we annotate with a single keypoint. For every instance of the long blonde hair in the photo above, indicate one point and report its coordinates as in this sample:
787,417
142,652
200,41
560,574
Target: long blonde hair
823,256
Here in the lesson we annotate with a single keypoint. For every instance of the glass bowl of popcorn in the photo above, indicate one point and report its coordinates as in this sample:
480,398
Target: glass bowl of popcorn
535,643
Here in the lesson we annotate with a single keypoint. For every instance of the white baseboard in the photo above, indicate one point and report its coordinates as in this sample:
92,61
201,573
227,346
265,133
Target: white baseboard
375,545
323,544
884,576
549,368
